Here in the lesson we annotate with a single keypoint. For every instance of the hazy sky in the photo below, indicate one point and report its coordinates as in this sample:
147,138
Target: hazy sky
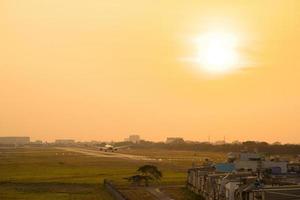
102,70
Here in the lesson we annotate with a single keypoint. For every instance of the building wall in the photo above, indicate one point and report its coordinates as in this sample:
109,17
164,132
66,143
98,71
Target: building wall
15,140
230,189
294,167
249,156
254,165
243,164
134,138
270,164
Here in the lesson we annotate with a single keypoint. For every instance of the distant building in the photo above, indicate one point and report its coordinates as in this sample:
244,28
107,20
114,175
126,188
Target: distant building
294,167
260,179
170,140
37,142
255,161
14,140
64,141
133,139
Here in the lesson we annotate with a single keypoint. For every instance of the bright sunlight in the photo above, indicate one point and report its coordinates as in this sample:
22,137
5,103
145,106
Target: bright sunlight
217,52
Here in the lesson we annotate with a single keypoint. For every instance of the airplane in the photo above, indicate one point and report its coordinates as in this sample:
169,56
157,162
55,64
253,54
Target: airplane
111,148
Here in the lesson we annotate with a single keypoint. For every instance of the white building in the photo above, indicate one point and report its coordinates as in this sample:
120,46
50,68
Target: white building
249,156
230,189
254,161
133,138
276,166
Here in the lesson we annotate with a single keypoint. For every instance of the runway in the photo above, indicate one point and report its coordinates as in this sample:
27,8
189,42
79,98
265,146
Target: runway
96,153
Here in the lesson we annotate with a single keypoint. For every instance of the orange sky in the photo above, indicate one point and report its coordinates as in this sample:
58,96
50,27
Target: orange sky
105,69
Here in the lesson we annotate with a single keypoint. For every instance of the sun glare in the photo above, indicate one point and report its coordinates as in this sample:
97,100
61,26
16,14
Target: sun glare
217,52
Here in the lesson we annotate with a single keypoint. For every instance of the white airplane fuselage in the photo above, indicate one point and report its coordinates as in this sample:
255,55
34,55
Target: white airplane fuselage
108,148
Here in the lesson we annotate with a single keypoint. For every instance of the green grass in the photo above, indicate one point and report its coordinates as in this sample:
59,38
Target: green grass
51,191
52,165
49,173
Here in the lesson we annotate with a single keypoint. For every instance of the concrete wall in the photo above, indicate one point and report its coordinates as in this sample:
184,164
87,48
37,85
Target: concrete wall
243,164
231,187
270,164
254,165
113,190
249,156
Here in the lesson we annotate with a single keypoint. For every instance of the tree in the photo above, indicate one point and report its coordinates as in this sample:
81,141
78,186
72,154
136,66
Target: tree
150,170
146,174
139,180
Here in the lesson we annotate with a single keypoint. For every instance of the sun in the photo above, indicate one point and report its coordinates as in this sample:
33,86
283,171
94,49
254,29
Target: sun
217,52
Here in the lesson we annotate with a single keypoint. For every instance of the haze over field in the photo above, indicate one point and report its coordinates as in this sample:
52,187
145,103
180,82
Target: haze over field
105,69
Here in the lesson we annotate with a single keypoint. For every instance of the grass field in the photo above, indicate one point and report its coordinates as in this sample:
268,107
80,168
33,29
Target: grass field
183,159
49,173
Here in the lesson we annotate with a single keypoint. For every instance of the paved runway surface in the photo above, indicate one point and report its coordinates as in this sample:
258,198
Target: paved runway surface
96,153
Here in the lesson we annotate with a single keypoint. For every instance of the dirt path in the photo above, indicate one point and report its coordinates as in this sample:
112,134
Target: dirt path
105,154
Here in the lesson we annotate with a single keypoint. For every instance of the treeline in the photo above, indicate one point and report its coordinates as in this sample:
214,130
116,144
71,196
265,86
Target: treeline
265,147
